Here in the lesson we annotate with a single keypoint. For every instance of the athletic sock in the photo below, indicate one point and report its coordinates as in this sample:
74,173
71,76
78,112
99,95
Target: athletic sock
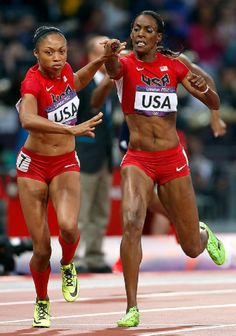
41,282
68,250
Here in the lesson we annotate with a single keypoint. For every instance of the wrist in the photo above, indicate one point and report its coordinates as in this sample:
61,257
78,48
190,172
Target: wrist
106,57
215,114
68,129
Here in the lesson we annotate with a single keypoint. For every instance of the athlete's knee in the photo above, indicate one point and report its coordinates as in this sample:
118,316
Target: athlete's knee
69,233
132,226
42,252
192,250
132,233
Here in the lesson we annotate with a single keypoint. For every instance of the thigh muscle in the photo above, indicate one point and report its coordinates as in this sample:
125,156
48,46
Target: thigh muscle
179,200
64,192
34,198
137,189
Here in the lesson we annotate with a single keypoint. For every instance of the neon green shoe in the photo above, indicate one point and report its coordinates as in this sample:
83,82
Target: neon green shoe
70,282
131,319
42,314
215,247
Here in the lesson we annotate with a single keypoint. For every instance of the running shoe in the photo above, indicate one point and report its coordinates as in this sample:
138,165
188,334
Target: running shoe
215,247
42,314
70,282
131,319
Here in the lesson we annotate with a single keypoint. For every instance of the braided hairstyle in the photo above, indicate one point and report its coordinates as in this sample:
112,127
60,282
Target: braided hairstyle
42,32
161,28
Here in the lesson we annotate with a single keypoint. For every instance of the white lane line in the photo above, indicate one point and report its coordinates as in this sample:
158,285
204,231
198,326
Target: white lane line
117,281
140,296
118,313
191,329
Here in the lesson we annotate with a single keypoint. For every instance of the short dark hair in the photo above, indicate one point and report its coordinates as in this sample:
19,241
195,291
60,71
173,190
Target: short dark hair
44,31
159,21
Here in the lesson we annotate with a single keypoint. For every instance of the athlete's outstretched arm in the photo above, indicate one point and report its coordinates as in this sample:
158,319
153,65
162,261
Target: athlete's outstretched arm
84,75
112,48
30,120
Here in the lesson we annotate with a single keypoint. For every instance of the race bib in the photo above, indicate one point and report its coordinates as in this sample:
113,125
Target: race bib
23,162
159,101
65,110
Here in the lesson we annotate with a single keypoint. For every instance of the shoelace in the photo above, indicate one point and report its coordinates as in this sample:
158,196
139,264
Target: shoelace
41,310
68,277
131,312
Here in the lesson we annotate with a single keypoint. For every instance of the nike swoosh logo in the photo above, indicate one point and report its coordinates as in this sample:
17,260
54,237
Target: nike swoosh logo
70,165
48,89
75,291
139,69
180,168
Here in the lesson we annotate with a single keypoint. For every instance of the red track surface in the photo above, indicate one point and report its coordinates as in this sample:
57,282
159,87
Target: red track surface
199,303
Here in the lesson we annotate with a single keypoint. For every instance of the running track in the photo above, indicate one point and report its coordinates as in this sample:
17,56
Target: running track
185,303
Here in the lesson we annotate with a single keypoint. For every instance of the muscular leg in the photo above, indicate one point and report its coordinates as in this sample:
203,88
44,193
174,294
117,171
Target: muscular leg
64,191
136,189
178,198
33,198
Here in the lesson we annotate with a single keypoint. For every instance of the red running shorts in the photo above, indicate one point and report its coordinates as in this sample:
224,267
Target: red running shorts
44,168
161,166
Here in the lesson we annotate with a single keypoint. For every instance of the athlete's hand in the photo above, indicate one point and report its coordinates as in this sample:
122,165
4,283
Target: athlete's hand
217,124
87,128
113,47
197,82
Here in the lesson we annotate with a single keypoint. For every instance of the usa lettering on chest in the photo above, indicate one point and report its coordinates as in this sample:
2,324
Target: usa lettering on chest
156,101
162,99
64,111
163,81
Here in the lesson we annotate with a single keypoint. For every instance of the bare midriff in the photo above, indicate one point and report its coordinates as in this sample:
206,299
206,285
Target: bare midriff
50,144
152,134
